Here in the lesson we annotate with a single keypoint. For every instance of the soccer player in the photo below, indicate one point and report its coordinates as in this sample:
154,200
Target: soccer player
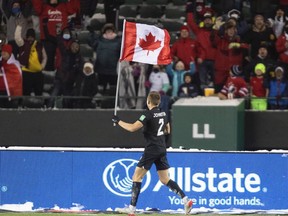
156,126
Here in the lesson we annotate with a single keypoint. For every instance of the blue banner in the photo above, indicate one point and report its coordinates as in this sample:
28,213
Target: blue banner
97,180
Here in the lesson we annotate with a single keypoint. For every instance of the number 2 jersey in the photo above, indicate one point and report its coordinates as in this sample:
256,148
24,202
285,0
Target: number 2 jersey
154,122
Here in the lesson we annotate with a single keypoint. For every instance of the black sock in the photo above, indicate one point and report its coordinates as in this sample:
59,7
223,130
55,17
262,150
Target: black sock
175,188
136,187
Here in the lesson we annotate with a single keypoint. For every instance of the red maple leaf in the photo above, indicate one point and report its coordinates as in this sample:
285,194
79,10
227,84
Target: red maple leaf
149,44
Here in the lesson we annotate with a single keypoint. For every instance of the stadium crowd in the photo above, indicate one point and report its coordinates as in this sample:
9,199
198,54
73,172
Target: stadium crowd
239,53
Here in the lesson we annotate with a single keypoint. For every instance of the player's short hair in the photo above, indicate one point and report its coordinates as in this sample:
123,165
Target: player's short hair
154,98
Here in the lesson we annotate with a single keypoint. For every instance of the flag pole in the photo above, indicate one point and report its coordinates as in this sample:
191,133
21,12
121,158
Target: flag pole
119,72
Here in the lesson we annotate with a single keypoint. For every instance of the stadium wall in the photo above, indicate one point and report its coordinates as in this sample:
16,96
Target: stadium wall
93,128
63,179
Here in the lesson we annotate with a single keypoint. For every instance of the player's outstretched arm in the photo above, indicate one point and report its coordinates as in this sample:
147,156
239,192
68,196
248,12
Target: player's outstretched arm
132,127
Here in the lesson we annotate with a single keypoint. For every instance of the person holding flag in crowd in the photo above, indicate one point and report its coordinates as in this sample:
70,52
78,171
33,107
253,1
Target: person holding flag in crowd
149,44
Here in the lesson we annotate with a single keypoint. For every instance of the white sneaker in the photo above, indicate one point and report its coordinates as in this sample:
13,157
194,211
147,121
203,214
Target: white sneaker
130,210
188,206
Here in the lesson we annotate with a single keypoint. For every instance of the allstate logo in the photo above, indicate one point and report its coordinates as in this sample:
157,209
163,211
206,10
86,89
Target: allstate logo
117,177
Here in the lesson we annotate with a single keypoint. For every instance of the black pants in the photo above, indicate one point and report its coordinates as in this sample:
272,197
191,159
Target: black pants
50,49
32,82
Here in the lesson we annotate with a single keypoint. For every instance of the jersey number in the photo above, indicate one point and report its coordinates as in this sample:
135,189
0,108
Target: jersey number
160,129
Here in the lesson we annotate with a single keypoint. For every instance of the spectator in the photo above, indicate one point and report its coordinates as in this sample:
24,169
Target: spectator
261,7
70,68
87,10
32,57
107,46
188,88
257,88
176,72
55,16
230,51
262,57
235,86
17,12
159,82
111,10
222,7
259,34
282,45
10,78
86,86
3,39
241,24
185,48
284,4
207,52
277,90
278,22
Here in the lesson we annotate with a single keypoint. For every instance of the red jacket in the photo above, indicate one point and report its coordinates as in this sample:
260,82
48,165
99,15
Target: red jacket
238,85
226,57
55,15
281,48
186,49
207,51
12,76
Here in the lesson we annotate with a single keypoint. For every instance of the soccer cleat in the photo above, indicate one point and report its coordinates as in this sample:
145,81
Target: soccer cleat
188,206
130,210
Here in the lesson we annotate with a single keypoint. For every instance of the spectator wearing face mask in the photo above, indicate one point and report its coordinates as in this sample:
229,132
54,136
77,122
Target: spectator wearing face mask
17,12
33,58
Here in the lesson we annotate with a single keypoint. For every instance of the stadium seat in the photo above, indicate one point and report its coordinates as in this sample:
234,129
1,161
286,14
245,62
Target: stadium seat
97,24
175,13
179,2
133,2
87,52
171,25
150,21
83,37
128,11
156,2
150,11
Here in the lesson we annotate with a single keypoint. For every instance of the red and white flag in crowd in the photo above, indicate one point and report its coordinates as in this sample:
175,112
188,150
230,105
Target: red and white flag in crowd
145,43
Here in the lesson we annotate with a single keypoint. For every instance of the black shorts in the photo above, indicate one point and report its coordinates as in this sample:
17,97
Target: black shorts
147,160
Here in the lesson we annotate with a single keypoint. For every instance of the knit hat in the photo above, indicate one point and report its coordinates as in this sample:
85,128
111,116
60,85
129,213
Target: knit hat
207,14
108,26
236,70
260,67
279,68
184,27
89,65
7,48
30,33
234,13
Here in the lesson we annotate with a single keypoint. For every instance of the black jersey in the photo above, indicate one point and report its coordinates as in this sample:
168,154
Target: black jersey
154,122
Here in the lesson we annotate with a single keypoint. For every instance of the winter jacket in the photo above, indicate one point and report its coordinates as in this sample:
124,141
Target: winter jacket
282,49
186,50
24,17
226,56
206,50
108,53
25,51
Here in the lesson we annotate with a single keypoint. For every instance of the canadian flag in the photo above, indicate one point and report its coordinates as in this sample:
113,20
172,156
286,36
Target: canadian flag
145,43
